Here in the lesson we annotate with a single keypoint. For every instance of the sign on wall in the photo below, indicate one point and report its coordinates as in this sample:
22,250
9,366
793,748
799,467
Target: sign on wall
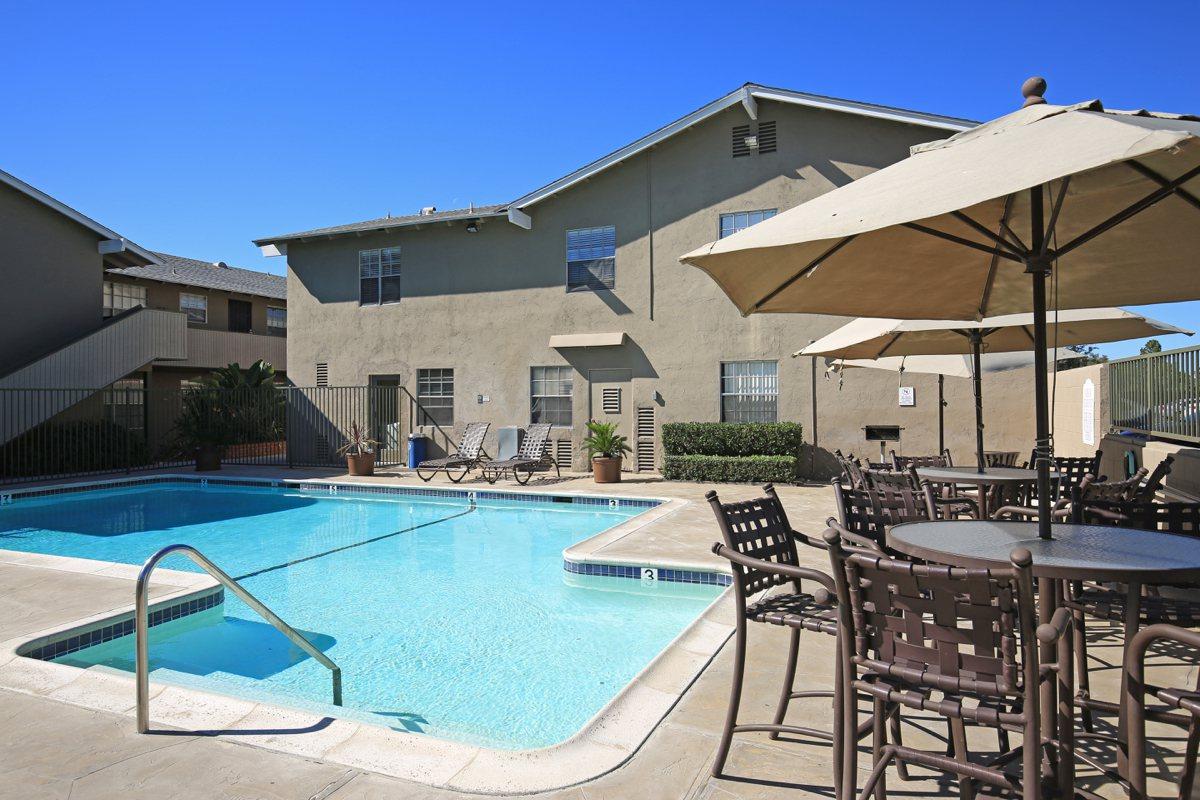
908,396
1088,420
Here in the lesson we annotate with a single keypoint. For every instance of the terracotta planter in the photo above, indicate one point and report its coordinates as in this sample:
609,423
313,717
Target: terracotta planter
208,458
606,470
362,464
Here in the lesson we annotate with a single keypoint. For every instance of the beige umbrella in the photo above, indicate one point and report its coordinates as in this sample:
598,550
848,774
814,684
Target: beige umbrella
974,225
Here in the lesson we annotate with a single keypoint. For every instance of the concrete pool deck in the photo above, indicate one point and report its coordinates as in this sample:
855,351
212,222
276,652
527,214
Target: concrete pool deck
50,747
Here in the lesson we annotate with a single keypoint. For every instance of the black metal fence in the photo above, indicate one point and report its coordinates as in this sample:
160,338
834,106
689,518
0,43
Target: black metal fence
53,433
1157,394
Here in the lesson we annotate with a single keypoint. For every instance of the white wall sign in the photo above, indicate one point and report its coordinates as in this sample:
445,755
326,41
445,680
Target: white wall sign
908,396
1088,421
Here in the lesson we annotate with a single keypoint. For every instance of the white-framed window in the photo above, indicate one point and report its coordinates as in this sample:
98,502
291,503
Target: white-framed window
749,391
195,306
592,258
550,392
120,297
379,276
435,395
276,321
740,220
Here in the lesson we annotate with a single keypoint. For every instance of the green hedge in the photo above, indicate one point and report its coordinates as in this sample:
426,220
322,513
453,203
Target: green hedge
732,439
731,469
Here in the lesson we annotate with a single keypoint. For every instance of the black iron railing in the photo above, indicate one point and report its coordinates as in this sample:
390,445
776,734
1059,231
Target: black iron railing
51,433
1157,394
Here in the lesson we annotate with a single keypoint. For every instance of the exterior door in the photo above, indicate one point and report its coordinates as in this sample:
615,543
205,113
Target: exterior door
610,401
239,316
385,424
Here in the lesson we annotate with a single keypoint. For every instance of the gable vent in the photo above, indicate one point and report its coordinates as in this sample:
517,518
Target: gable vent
766,137
644,434
322,373
741,147
563,453
610,401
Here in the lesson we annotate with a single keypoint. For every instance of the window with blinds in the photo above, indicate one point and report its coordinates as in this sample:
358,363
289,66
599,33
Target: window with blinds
740,220
749,391
379,276
120,297
435,396
276,321
591,258
550,395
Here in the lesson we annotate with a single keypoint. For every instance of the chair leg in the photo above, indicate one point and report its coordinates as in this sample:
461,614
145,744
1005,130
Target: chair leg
789,679
878,743
1187,778
735,697
1079,634
897,739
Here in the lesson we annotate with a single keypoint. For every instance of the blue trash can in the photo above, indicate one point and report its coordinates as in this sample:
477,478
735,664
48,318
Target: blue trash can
418,445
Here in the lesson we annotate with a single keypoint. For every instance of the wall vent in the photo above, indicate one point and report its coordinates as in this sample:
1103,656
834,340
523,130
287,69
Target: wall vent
766,137
740,147
322,373
610,401
644,434
322,449
563,453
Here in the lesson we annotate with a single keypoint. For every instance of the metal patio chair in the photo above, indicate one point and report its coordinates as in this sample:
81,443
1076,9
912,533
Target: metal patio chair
467,458
761,547
864,515
957,643
1180,707
532,456
903,463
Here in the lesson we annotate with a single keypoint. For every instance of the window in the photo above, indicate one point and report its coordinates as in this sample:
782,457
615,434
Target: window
120,297
749,391
740,220
195,306
550,395
435,395
379,276
125,404
276,321
591,258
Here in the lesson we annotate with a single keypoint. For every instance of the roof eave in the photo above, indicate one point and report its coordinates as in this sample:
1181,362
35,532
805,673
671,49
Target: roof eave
324,234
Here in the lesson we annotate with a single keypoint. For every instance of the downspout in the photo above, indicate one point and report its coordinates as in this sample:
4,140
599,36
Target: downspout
650,221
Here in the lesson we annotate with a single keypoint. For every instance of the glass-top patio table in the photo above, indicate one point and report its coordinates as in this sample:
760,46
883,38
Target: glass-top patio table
1075,553
1006,478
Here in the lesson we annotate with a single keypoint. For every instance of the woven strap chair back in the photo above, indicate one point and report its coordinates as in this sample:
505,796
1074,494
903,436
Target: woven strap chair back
757,528
537,439
472,440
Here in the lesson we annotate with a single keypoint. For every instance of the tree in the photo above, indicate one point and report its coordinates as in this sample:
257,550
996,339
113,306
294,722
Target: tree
1085,354
1151,346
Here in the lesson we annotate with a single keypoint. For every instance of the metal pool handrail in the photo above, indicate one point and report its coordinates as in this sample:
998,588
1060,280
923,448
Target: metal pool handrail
142,621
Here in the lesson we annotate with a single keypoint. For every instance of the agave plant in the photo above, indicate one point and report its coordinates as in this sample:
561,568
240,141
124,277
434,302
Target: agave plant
357,442
603,441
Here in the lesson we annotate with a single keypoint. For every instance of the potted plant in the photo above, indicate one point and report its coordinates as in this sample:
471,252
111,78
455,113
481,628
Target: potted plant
359,451
203,428
605,447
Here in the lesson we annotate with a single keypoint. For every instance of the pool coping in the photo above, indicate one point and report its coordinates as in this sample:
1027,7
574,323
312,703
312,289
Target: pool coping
609,739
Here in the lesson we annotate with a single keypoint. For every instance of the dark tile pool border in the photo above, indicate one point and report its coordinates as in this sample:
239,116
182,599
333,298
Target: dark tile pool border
72,641
639,572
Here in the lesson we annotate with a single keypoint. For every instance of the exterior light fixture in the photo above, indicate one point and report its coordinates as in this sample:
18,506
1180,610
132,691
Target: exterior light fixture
472,227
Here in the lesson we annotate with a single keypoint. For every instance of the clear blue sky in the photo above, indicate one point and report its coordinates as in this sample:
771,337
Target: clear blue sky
193,128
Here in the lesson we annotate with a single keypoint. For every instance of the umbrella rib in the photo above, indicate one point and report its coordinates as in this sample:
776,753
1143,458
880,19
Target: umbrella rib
888,346
1165,190
950,237
816,262
991,276
1007,245
1161,180
1058,204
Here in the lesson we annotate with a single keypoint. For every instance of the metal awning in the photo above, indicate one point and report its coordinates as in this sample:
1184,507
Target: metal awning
562,340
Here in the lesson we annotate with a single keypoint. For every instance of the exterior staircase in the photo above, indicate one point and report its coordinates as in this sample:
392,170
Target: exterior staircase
84,366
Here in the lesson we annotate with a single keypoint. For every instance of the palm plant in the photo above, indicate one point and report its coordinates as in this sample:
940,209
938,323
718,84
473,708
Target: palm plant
603,441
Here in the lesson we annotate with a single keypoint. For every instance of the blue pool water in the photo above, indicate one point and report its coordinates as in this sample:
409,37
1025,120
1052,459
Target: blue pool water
463,624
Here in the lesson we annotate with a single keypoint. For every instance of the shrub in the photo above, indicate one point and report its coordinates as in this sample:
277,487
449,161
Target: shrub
62,448
731,469
732,438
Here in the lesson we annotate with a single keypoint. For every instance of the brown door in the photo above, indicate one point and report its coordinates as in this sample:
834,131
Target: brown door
239,316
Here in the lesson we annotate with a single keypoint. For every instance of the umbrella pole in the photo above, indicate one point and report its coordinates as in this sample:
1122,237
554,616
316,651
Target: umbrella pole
1038,266
941,413
977,382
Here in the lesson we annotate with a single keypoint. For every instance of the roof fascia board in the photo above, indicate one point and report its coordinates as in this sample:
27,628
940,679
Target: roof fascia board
865,109
519,218
750,103
105,234
264,244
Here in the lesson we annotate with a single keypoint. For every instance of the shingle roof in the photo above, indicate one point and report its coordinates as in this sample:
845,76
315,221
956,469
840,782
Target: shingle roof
204,274
748,95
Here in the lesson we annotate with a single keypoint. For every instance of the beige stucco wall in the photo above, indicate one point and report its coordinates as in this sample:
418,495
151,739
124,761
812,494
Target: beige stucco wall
50,270
485,304
1069,406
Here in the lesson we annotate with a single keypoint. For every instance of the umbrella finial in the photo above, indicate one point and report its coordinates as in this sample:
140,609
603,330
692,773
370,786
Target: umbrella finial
1032,90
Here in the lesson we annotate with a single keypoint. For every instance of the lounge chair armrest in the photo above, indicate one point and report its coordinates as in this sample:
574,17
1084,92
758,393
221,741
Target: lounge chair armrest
784,570
966,502
1058,626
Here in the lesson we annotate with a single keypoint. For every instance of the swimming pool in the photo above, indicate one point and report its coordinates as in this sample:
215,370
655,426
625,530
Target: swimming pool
450,615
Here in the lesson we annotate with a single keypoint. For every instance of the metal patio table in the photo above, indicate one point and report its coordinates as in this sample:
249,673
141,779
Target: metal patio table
1006,478
1075,553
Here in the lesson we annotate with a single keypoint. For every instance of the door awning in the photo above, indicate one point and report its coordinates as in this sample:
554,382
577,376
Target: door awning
562,340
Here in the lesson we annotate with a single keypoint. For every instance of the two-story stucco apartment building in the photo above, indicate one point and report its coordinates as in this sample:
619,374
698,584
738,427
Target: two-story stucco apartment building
569,303
84,308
